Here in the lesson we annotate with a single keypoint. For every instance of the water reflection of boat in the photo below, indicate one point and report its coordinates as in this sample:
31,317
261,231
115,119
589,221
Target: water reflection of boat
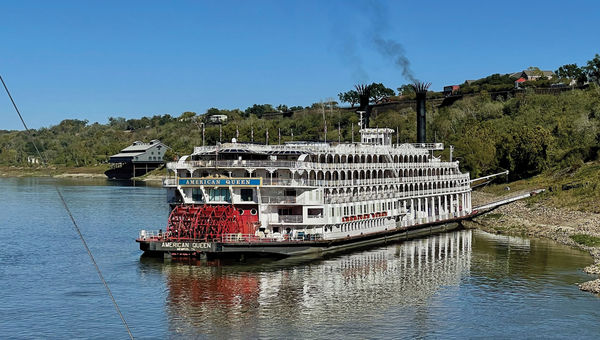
249,300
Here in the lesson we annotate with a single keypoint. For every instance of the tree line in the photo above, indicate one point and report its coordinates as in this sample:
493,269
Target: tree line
526,134
564,75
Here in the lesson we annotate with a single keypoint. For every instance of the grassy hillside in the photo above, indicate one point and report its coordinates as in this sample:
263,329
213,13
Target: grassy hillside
574,188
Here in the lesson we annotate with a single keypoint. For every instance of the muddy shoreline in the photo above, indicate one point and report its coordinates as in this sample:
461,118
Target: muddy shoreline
526,218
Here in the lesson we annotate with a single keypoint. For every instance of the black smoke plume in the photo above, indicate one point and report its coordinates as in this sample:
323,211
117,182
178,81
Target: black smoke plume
394,50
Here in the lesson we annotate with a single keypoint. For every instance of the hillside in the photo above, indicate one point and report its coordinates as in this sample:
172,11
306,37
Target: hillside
526,134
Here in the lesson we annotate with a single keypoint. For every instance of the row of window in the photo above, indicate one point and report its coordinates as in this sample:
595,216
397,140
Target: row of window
152,158
363,209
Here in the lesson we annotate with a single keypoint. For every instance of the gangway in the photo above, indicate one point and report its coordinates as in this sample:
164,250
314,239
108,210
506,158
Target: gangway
489,176
486,208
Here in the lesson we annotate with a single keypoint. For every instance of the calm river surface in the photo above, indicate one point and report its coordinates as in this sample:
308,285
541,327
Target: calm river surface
460,284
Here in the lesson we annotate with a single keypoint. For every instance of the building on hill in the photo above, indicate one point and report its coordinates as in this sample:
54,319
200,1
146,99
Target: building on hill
519,82
137,159
217,119
451,90
515,74
533,75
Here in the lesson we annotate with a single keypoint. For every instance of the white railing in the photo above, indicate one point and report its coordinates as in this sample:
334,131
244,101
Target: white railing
234,164
320,147
168,182
290,182
363,182
150,234
393,195
237,238
346,183
264,164
413,179
370,166
281,199
428,146
290,219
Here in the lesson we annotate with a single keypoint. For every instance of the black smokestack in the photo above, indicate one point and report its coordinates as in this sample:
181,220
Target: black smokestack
421,92
364,92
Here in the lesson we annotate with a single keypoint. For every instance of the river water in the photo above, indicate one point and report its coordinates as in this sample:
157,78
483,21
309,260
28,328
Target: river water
460,284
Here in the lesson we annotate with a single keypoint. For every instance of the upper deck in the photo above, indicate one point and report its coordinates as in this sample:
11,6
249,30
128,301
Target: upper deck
321,148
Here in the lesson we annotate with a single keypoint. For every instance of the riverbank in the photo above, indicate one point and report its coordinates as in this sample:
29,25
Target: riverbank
538,217
90,172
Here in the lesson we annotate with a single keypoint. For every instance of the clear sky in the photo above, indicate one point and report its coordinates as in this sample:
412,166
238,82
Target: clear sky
96,59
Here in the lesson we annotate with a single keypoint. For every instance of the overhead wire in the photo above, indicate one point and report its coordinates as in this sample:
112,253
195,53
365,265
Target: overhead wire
66,206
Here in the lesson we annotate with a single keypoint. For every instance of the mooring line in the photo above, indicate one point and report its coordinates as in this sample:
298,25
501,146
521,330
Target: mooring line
76,227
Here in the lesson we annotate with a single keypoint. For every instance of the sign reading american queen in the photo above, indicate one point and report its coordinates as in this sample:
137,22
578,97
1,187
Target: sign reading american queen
220,182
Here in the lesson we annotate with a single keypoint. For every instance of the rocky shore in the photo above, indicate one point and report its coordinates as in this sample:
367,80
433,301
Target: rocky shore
537,220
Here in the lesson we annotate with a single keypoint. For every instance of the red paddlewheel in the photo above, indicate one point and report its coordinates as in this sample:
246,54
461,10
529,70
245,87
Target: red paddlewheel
205,222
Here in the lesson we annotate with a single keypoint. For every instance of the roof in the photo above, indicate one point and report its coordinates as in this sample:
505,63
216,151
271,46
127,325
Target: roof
239,149
530,73
141,146
136,149
126,154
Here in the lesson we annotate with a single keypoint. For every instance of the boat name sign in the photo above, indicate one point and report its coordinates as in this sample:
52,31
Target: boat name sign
216,182
185,246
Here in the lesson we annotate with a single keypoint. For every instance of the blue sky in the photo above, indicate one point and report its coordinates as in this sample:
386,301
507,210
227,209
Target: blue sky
96,59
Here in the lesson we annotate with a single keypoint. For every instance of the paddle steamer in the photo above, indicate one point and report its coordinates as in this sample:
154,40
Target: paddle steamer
300,198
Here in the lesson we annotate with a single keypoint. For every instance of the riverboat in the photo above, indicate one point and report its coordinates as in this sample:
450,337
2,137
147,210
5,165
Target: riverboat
301,198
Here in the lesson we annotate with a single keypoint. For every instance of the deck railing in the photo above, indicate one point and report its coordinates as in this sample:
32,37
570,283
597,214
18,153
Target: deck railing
305,165
319,147
394,194
171,181
150,234
236,238
281,199
290,219
158,235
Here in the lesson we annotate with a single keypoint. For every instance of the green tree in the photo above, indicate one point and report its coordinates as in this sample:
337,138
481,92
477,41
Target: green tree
524,150
117,123
477,149
259,110
350,97
571,72
593,69
187,115
378,92
406,90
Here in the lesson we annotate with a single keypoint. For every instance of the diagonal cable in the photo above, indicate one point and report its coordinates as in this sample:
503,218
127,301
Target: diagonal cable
75,226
